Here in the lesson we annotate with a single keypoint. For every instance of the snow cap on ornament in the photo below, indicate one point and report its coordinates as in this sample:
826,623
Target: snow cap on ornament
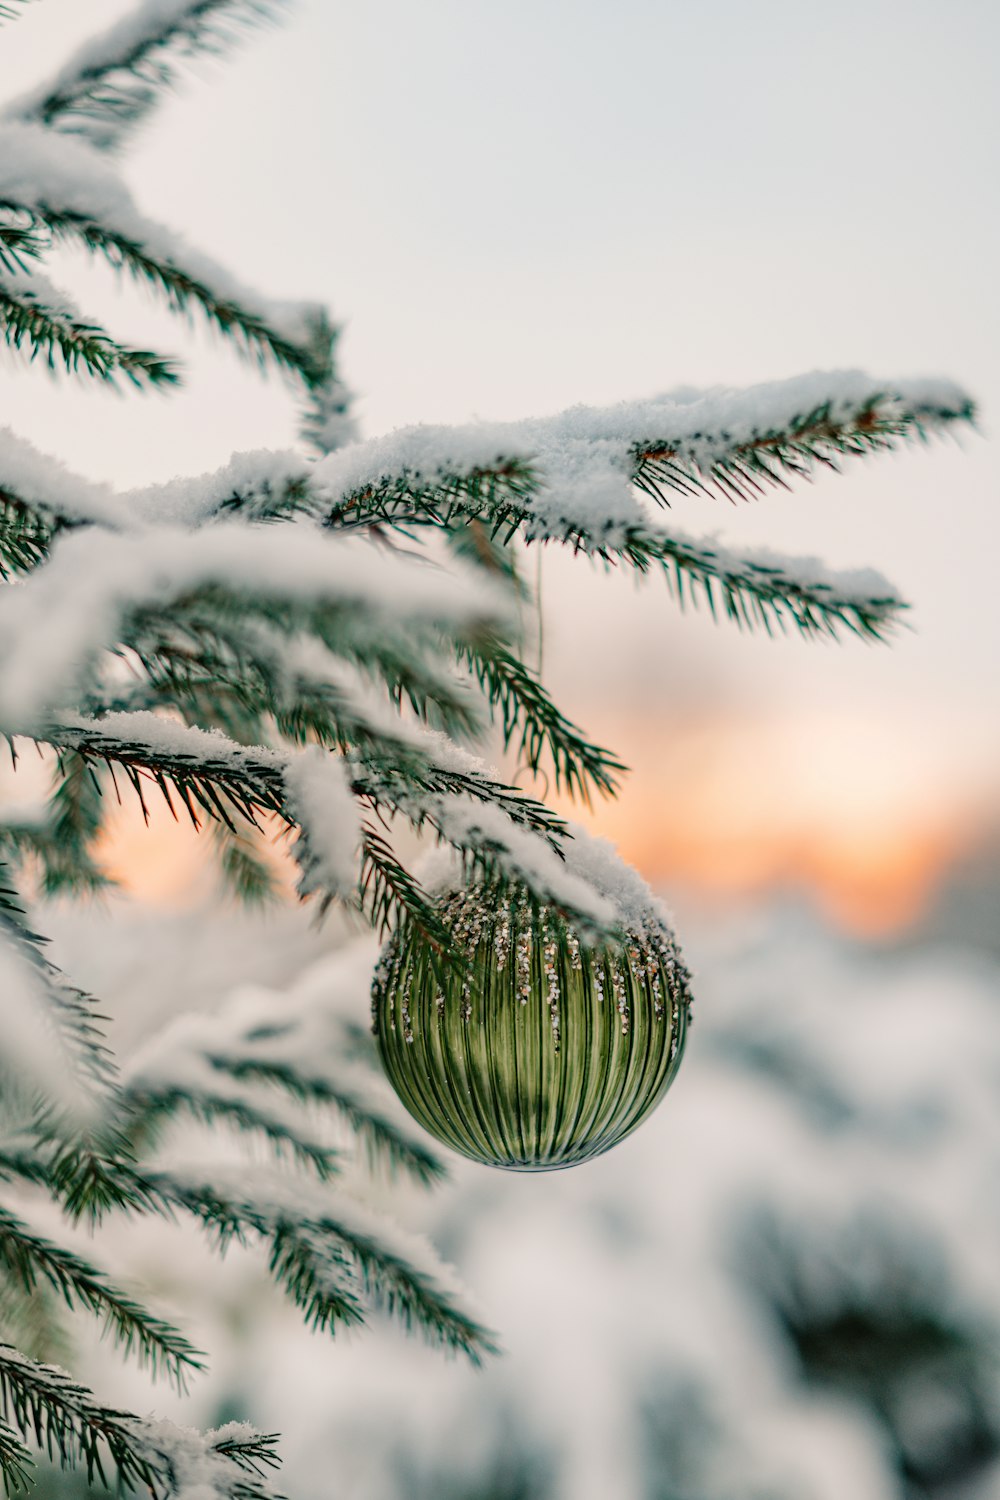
543,1046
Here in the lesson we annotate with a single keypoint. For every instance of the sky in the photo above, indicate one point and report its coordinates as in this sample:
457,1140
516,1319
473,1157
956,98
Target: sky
517,208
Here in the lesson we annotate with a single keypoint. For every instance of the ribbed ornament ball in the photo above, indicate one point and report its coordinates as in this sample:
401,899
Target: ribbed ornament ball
539,1051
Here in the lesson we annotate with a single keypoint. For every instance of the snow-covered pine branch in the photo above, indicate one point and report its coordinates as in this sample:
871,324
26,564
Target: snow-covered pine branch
52,1044
35,318
73,1426
176,641
101,591
67,191
572,475
332,1256
110,85
29,1258
247,1063
208,775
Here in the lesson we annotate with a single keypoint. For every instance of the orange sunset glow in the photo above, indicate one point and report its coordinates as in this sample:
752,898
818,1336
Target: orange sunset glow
720,812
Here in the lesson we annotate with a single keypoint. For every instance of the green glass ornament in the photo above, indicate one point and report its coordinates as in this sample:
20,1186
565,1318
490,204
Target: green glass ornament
537,1052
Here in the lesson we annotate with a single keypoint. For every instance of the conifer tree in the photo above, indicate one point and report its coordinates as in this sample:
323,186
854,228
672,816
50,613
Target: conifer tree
309,642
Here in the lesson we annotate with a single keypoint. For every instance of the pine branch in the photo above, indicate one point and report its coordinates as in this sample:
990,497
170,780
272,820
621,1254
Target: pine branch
722,442
384,1141
253,335
115,81
42,1403
719,445
8,11
235,786
754,590
15,1460
150,1100
258,1057
322,1287
66,1420
255,1453
91,1176
715,463
74,1014
31,1259
529,717
328,1253
759,590
28,323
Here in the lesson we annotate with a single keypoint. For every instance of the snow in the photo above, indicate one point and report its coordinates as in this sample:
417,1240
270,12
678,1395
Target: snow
523,855
593,880
635,906
33,287
320,800
254,477
165,736
53,625
31,1048
48,485
584,456
629,1293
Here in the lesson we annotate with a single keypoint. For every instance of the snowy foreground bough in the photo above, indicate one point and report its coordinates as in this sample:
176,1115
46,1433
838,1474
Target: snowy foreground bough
307,645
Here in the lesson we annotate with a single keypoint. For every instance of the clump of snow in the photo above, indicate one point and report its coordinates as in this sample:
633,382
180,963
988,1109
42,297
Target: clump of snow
197,1469
523,855
635,906
592,880
253,478
164,736
320,800
47,485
